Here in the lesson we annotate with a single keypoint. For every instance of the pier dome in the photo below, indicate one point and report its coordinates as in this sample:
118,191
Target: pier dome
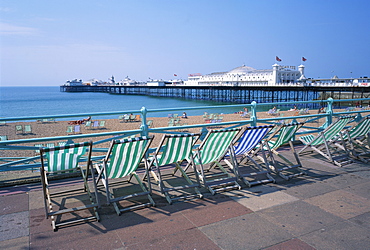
241,70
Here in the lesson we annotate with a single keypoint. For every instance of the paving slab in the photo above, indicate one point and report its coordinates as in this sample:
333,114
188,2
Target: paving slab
215,212
21,243
341,203
14,225
160,226
250,231
362,189
308,190
362,220
299,217
295,244
13,203
263,200
345,180
187,239
342,235
83,236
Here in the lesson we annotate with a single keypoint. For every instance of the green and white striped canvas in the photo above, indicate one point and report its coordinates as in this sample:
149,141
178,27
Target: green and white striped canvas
361,129
285,135
177,148
329,133
126,156
216,144
64,157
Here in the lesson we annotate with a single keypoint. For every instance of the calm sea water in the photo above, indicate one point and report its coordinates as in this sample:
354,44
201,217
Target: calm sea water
39,101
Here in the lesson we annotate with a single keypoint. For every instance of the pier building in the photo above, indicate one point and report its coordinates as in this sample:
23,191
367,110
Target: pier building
247,76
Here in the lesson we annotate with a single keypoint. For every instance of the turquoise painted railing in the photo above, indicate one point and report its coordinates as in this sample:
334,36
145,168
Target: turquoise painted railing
20,163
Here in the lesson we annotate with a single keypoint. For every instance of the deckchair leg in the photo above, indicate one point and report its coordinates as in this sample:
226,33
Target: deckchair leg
266,173
290,166
227,183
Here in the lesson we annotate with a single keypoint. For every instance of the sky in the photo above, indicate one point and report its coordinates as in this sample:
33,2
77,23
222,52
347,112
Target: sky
46,43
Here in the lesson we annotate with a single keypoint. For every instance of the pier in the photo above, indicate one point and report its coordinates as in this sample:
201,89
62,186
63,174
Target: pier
232,94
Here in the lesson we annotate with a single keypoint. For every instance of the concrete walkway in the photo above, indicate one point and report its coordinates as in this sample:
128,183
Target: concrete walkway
328,208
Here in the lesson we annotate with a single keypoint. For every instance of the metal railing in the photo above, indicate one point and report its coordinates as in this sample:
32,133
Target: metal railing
22,145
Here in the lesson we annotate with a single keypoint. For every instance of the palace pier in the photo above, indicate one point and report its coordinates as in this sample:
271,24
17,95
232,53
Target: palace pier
232,94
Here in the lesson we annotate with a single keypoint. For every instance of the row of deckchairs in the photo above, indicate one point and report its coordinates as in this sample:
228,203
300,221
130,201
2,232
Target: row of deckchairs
125,156
340,145
250,155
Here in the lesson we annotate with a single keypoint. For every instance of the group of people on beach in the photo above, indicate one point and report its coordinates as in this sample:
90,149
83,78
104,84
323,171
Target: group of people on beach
79,122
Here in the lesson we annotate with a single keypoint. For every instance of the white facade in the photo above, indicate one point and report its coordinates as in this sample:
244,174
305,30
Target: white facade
156,83
248,76
74,82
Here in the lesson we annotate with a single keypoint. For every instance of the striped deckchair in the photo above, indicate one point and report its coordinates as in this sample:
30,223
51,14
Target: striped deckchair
357,139
63,160
122,160
323,143
285,133
244,151
211,151
173,149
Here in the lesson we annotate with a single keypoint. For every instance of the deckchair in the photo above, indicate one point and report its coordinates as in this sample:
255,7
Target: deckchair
212,151
357,139
324,145
18,129
77,129
95,124
3,137
132,118
69,129
173,149
27,129
122,160
150,123
88,125
285,134
244,149
102,124
60,161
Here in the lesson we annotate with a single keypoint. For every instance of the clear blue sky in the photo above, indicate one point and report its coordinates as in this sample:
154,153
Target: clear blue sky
49,42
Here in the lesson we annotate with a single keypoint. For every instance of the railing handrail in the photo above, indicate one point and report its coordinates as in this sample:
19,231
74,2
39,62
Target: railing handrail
145,130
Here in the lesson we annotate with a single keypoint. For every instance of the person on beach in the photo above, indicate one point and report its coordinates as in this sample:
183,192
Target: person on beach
79,122
184,115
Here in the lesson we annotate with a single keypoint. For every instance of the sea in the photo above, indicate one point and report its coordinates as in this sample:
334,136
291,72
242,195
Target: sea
41,101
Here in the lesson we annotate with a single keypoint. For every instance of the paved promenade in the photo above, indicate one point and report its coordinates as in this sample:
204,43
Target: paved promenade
328,208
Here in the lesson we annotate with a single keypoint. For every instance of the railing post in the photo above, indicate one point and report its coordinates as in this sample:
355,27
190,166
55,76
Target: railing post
329,111
254,114
143,126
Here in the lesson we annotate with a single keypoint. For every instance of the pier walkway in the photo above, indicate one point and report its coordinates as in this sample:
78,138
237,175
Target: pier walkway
328,208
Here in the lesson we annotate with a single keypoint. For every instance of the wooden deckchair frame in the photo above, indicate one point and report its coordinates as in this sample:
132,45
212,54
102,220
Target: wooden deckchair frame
324,144
224,180
285,134
245,150
47,168
356,138
173,149
128,166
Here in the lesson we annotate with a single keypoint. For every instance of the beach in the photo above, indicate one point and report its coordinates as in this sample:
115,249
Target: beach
59,128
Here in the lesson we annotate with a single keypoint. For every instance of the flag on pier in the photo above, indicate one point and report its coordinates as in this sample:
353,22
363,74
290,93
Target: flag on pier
278,59
304,59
